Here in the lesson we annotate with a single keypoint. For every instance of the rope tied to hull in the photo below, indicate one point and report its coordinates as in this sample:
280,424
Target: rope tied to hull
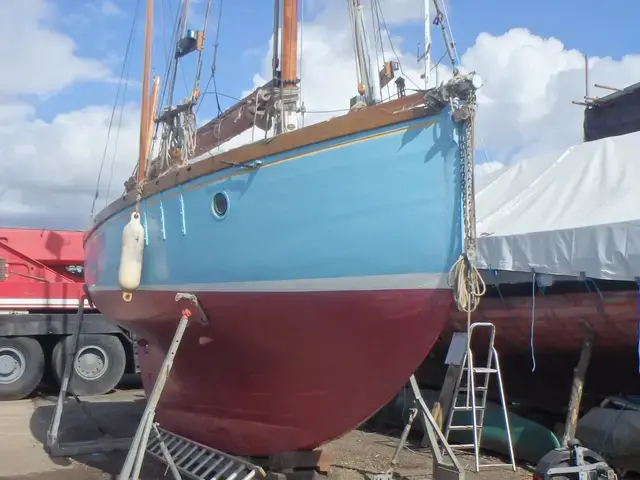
467,284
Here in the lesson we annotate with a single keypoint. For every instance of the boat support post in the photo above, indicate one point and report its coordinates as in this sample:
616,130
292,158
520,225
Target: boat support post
182,456
571,459
575,397
442,469
135,455
53,446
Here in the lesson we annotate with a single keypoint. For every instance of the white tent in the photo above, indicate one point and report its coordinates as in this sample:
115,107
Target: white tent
572,214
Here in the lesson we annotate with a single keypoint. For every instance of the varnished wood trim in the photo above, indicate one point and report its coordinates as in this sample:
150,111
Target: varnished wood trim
381,115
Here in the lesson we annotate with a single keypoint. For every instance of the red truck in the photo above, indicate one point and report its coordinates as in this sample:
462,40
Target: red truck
41,282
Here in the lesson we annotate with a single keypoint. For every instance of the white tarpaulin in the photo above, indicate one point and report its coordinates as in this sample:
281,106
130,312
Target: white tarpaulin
577,212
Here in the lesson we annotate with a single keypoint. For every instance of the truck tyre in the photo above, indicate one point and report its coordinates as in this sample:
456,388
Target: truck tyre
21,367
98,365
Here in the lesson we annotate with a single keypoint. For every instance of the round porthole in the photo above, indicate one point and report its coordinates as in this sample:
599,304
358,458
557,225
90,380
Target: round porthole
220,204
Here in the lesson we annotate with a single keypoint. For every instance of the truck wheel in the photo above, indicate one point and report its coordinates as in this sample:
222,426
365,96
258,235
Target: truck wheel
21,367
98,365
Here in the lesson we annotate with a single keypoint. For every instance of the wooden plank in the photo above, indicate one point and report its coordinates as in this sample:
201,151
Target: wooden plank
445,399
316,460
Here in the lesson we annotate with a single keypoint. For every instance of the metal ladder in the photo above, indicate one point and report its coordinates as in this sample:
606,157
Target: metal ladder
198,461
467,388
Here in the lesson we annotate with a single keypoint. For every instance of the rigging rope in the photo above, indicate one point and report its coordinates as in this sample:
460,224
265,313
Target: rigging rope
118,130
212,77
163,92
179,33
168,52
379,38
393,49
533,322
179,126
196,85
354,37
115,104
453,42
457,56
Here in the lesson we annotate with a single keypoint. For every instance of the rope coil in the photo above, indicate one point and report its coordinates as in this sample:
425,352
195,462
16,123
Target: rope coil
467,284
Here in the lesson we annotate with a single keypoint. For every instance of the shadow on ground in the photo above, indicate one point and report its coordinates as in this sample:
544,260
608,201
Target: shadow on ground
92,419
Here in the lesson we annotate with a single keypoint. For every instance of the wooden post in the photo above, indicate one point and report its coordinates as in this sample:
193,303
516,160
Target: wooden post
445,399
577,386
455,357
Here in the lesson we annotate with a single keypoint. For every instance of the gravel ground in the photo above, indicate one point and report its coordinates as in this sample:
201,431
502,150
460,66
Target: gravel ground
23,424
360,454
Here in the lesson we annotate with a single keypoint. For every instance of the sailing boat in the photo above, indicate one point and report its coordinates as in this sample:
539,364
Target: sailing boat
319,255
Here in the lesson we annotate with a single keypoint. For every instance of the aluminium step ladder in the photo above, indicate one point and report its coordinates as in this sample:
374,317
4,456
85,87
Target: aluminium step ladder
197,461
465,398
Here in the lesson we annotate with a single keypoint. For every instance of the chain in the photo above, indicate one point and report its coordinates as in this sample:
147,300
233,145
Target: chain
467,180
468,286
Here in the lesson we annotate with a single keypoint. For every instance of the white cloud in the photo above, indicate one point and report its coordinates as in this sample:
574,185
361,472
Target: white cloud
401,11
525,106
327,70
35,58
110,8
49,169
394,12
530,83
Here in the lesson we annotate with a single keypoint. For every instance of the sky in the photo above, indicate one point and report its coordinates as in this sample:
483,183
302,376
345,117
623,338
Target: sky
62,62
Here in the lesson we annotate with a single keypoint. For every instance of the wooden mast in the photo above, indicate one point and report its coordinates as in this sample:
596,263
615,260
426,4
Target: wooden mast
290,43
153,100
289,91
145,109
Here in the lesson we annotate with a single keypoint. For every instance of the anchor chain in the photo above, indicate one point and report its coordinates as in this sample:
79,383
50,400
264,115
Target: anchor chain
467,283
467,180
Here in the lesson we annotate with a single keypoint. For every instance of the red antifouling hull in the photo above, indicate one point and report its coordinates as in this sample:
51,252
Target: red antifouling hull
275,372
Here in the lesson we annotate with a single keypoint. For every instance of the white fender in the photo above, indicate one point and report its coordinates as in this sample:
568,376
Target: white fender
130,269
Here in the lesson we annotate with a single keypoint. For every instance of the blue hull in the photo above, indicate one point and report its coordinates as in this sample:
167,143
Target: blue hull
324,283
376,208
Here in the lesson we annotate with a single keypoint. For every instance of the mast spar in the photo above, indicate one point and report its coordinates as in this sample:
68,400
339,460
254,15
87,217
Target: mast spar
362,56
289,71
427,42
145,108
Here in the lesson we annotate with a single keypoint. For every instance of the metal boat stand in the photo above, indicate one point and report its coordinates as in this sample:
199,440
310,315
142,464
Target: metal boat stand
53,446
443,468
182,456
